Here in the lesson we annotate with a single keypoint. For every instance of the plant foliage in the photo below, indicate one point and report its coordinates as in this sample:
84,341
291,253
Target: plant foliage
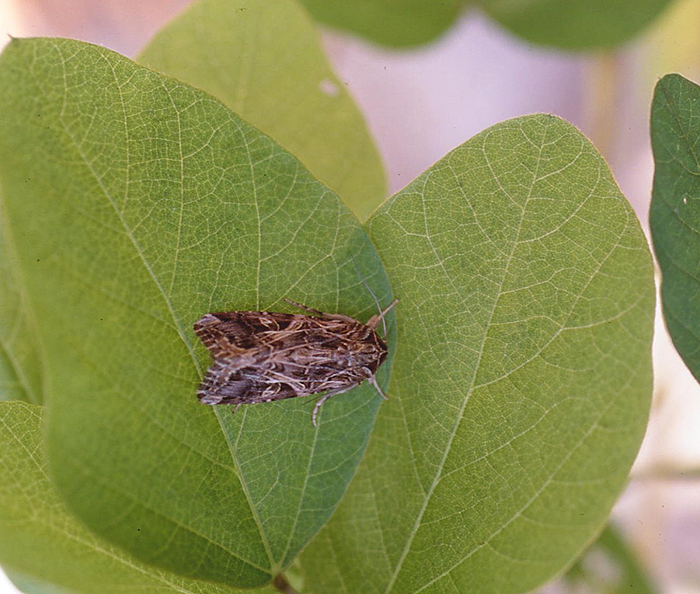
132,203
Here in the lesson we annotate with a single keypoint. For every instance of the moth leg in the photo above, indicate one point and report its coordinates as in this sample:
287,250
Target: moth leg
235,408
373,382
325,397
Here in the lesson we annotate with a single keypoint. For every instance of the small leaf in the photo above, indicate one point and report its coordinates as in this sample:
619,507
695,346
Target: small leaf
44,548
609,567
521,387
137,204
575,25
264,60
398,23
675,210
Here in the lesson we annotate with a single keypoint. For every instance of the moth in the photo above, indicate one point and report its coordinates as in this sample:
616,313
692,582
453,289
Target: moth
262,356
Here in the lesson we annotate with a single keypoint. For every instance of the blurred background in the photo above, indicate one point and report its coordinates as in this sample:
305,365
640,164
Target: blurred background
422,102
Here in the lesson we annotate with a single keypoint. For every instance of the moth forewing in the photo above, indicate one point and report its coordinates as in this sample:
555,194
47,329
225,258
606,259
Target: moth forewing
264,356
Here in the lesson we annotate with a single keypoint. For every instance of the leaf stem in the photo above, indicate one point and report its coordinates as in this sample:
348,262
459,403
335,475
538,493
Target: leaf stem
602,102
280,582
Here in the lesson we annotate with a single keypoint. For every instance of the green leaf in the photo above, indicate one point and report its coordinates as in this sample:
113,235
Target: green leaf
20,369
575,25
398,23
567,24
675,210
609,567
42,546
137,204
264,60
521,386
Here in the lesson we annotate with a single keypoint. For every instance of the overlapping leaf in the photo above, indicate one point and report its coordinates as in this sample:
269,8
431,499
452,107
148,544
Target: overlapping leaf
521,385
675,210
264,60
575,25
568,24
137,204
43,547
392,22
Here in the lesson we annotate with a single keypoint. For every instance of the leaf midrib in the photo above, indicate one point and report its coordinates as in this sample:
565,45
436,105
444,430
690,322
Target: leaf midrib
458,418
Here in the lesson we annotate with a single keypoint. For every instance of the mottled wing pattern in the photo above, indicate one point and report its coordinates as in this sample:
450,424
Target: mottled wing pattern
239,343
264,356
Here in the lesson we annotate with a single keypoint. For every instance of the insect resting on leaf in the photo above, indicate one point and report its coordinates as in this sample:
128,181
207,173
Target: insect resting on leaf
263,356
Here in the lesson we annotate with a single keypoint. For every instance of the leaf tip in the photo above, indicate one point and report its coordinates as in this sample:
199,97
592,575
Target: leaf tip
669,80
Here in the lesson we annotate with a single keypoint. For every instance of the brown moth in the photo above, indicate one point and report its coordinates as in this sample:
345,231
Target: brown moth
262,356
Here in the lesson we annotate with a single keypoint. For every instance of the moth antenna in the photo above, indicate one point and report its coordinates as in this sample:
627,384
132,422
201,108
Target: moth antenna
376,301
374,320
304,307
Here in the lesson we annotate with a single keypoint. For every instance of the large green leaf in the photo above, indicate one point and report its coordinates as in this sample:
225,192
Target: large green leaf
43,547
392,22
138,203
263,59
675,210
521,386
573,24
